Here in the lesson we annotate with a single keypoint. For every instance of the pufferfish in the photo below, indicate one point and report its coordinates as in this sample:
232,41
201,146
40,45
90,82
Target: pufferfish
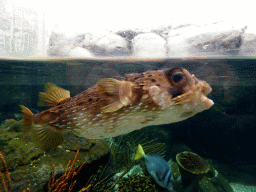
114,107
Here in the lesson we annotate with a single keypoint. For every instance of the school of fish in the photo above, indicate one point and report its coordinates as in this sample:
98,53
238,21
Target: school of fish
115,107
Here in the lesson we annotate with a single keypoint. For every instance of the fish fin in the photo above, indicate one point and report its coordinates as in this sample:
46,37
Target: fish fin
108,85
46,137
53,95
119,89
27,118
140,153
125,93
112,107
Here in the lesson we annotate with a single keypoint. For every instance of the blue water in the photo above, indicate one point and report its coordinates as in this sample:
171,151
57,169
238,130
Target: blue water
224,134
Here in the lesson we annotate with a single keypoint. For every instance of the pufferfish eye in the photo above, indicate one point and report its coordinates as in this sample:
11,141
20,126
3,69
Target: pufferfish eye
177,77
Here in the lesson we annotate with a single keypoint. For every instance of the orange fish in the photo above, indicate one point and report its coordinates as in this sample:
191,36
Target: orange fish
115,107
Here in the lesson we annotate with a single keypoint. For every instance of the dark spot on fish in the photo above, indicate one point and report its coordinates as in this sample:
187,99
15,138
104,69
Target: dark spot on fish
158,85
97,99
126,79
153,80
149,75
90,99
136,78
142,75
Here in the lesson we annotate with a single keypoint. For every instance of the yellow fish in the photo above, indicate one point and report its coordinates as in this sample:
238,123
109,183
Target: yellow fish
115,107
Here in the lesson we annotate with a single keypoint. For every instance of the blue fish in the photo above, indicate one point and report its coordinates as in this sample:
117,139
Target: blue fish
158,168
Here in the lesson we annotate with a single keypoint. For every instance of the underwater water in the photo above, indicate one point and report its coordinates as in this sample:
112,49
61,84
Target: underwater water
223,135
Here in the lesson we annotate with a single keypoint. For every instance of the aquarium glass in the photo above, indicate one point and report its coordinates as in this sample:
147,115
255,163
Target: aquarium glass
83,83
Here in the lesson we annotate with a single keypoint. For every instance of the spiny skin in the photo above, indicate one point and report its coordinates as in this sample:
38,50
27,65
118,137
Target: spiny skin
156,97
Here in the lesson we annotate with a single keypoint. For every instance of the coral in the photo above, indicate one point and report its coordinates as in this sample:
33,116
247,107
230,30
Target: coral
191,166
30,165
136,182
192,162
66,181
6,188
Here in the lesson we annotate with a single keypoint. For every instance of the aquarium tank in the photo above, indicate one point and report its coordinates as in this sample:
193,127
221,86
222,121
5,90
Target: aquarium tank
114,96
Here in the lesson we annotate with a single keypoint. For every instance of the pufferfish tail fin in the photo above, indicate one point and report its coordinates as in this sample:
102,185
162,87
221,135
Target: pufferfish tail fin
120,90
44,136
27,118
140,153
53,95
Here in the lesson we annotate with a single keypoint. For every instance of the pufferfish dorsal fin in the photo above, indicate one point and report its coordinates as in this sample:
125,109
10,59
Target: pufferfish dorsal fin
53,95
120,89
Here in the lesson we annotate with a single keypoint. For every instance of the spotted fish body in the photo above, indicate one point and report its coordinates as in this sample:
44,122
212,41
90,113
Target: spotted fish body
116,107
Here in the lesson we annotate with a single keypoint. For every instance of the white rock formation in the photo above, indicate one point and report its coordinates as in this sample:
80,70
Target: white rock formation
212,40
59,45
248,48
80,52
149,45
112,45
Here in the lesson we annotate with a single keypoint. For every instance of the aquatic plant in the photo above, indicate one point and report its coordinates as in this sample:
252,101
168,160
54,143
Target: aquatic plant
98,182
66,181
123,149
6,186
136,182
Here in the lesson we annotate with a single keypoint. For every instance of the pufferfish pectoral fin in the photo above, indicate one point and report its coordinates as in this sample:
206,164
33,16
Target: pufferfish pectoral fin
122,90
46,137
112,107
53,95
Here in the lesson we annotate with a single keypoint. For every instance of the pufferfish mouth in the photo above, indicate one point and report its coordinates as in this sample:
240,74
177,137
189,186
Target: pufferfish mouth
197,95
205,90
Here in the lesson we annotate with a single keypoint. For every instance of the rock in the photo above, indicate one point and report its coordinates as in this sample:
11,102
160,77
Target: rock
248,48
149,45
91,38
128,34
30,166
214,39
102,43
80,52
59,45
112,45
